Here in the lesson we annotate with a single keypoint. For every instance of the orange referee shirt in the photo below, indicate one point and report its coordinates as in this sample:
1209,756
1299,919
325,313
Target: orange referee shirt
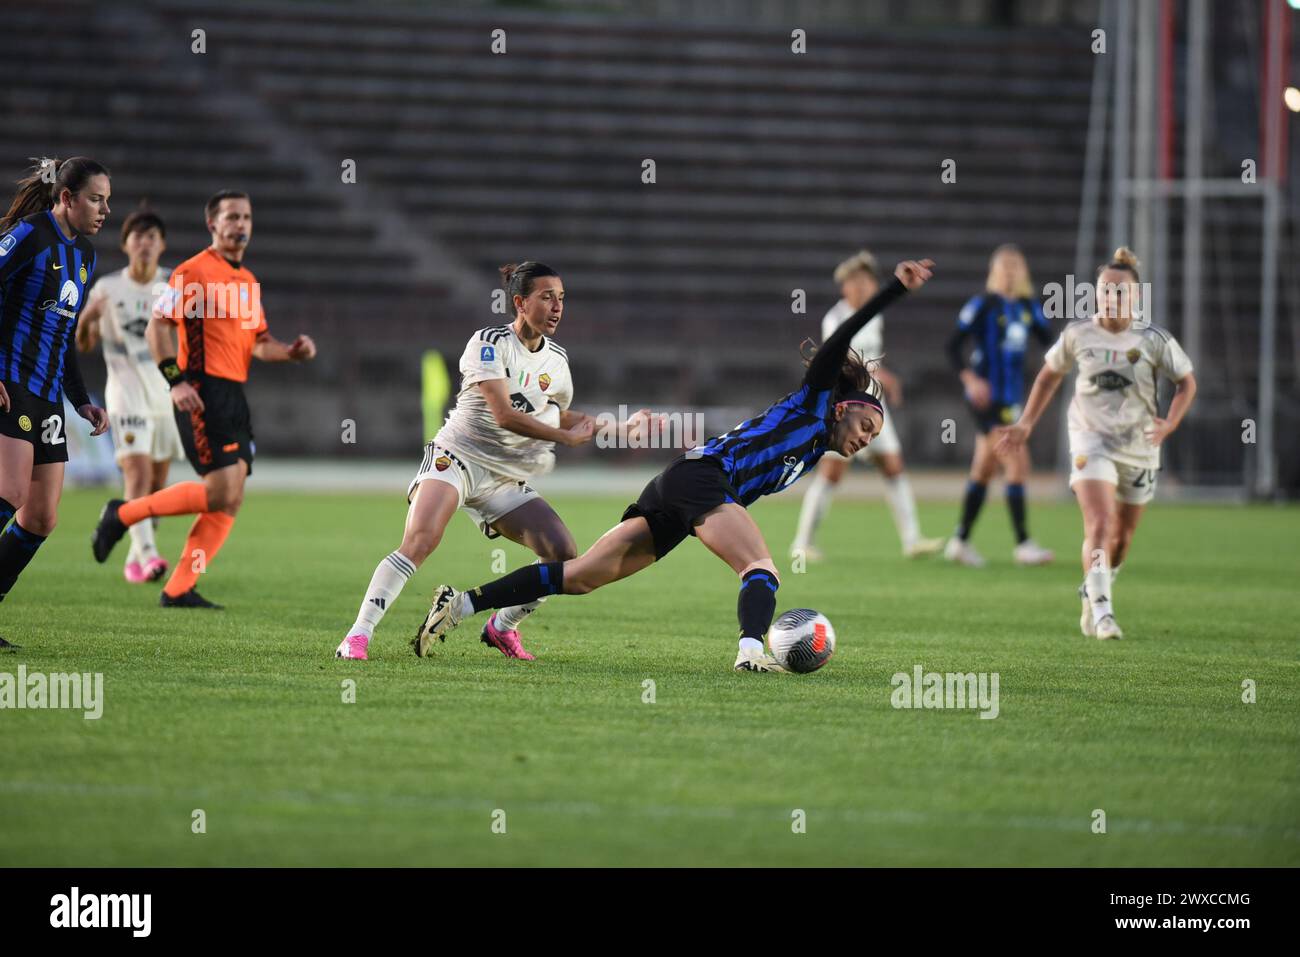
218,308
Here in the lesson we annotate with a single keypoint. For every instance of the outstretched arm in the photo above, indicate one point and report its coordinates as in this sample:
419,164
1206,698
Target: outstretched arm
829,358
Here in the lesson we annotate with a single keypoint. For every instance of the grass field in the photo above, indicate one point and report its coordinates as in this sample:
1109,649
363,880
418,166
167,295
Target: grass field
240,713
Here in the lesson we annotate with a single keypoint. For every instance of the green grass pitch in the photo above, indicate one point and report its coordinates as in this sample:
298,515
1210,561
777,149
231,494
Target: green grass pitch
240,713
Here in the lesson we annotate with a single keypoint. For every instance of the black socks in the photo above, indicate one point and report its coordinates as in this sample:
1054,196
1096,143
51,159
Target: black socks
519,587
757,603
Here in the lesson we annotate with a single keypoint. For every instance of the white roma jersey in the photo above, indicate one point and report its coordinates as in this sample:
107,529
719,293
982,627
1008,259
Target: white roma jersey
538,383
1115,391
135,386
869,342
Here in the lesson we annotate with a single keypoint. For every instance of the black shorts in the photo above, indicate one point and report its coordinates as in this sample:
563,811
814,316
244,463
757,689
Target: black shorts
676,498
38,421
222,433
994,416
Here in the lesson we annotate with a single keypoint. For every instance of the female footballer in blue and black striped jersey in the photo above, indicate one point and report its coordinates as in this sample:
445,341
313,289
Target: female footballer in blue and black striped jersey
706,491
46,263
1000,321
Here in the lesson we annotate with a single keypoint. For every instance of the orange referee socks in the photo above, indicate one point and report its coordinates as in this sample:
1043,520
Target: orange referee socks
183,498
207,535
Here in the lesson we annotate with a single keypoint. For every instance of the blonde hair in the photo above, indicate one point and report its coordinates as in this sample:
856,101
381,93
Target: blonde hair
1122,258
1025,287
861,261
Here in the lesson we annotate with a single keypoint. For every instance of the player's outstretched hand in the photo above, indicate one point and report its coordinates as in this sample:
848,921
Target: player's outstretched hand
643,424
96,416
186,398
302,349
580,432
1009,438
4,398
913,274
1158,431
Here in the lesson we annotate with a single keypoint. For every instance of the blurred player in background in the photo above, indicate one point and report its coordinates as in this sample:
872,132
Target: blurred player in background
1115,425
859,279
216,301
707,493
1000,321
139,407
46,264
512,409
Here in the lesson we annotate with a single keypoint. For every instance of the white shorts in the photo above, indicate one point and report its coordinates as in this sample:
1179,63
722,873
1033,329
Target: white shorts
485,496
1133,485
152,435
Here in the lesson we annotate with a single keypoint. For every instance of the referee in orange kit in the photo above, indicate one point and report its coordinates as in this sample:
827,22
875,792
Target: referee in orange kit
215,304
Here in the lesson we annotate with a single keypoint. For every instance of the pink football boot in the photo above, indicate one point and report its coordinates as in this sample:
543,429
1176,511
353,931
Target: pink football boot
353,646
506,642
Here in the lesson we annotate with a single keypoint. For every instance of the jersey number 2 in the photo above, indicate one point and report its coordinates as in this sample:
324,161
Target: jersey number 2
50,430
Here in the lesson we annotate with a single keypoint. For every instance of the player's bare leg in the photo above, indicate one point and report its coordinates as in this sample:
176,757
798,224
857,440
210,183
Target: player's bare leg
1097,502
432,506
537,527
730,532
34,518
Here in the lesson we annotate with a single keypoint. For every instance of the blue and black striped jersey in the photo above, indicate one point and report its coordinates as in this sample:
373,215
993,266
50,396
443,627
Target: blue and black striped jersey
773,449
43,281
1001,329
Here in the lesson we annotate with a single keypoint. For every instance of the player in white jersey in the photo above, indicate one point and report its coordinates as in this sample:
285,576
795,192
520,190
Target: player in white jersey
859,279
136,395
513,407
1116,429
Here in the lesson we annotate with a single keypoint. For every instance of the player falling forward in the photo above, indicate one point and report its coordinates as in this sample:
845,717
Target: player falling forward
512,409
706,493
46,262
1000,320
139,408
217,302
1115,426
859,279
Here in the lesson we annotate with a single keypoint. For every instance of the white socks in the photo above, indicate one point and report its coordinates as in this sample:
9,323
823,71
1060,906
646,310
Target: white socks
898,492
751,644
385,585
508,619
815,503
143,546
1098,585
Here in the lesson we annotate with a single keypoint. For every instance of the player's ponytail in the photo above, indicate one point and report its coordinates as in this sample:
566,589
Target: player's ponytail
1125,259
855,375
38,190
517,278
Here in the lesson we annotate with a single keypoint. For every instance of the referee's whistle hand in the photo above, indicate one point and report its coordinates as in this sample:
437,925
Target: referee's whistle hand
302,349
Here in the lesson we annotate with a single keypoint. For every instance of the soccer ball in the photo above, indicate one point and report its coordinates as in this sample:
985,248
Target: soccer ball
801,640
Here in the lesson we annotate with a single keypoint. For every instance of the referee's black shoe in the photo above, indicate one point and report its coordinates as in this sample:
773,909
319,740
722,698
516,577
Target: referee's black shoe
108,532
189,599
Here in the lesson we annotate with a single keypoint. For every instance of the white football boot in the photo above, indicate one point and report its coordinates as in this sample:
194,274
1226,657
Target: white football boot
922,547
443,616
1107,628
754,660
964,552
810,553
1029,552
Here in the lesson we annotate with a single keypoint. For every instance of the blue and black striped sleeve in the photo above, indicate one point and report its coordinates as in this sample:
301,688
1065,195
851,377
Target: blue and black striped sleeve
967,320
17,249
824,370
1042,328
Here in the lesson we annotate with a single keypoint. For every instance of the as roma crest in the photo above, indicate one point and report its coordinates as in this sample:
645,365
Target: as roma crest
1133,355
442,463
544,380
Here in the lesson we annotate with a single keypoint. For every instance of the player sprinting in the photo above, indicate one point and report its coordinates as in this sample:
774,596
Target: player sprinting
215,301
512,409
144,433
1000,321
46,264
1115,425
707,491
859,279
